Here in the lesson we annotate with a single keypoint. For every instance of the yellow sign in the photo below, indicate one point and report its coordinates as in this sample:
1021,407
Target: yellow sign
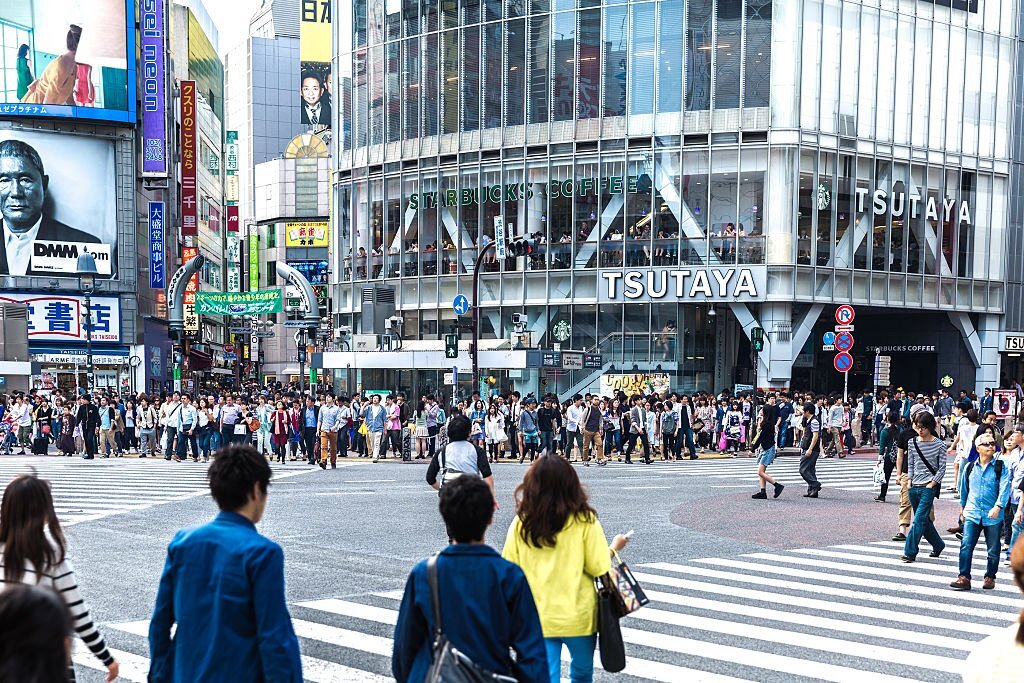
307,234
636,383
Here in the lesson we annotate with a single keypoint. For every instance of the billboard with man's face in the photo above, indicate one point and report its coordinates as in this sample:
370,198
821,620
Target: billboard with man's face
68,58
57,199
315,63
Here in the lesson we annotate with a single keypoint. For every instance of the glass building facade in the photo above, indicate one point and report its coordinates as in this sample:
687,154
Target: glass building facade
858,153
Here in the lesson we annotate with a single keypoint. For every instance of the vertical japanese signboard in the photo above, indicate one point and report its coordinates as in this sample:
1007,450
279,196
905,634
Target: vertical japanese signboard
191,319
157,250
189,198
232,218
254,260
154,119
315,63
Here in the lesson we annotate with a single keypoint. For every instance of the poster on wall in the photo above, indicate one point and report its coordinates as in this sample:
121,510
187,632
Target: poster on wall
68,58
315,63
634,383
67,203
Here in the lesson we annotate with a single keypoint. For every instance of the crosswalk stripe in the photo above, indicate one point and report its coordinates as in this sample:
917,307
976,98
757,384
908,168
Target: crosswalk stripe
689,600
862,582
919,575
132,667
815,588
950,555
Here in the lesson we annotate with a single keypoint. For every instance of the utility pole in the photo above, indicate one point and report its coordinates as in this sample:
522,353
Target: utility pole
474,350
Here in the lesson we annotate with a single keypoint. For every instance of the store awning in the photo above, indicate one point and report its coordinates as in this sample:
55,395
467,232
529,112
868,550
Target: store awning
197,360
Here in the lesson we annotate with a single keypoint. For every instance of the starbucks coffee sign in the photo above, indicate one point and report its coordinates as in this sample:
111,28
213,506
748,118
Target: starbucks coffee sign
514,192
683,284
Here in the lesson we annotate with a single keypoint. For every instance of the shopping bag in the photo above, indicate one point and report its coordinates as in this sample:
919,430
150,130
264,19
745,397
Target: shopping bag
629,596
878,474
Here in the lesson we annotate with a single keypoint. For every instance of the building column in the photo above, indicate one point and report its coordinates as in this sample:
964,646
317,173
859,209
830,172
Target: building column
775,363
987,372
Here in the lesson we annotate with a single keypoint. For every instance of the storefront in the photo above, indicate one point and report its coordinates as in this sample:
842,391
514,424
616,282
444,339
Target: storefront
64,368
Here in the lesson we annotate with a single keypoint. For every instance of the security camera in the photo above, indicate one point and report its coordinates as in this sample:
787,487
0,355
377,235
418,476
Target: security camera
518,319
393,321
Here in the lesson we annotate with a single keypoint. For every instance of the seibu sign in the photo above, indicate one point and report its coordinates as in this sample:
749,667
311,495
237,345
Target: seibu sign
656,284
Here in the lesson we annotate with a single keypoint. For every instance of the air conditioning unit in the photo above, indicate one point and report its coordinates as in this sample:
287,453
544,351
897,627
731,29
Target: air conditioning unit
378,304
364,342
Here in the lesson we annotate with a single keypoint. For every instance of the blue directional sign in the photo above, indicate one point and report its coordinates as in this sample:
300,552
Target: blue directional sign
461,305
828,339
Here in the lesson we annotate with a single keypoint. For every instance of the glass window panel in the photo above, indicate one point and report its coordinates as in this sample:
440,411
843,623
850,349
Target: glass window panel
410,17
514,218
728,31
972,93
392,19
515,8
842,202
862,220
955,80
831,76
540,43
893,110
1002,120
967,239
694,205
616,23
724,187
470,11
805,215
638,211
515,73
450,81
989,95
377,80
823,223
348,92
922,82
750,215
587,213
641,87
489,211
698,51
392,91
810,81
588,99
757,54
612,200
360,97
491,75
411,76
670,56
563,101
559,217
867,102
848,122
492,9
429,84
471,78
666,180
375,21
939,95
449,13
428,14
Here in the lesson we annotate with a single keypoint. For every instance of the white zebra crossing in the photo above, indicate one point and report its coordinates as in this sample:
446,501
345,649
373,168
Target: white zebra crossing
847,614
850,474
85,491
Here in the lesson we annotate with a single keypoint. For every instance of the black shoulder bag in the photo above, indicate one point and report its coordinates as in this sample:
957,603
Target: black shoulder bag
931,468
450,665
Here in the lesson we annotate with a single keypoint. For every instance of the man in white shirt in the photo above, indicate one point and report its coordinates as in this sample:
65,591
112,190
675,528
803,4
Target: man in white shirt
573,433
172,422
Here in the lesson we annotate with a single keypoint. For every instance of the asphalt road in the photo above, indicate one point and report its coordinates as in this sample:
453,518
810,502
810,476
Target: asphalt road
741,589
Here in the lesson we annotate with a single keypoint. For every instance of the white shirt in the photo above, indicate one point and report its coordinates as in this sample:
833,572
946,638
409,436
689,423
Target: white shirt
19,248
313,114
573,415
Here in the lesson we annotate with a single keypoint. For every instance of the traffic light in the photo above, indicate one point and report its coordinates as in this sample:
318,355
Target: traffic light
522,246
757,339
451,346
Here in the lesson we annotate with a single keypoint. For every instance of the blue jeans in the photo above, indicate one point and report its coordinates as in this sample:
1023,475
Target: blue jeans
921,500
1014,536
684,436
972,532
581,653
547,441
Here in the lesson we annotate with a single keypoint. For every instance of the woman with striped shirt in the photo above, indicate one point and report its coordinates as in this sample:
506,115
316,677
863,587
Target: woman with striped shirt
30,555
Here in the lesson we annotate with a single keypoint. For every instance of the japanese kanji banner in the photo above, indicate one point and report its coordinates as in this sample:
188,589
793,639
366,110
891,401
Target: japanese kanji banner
189,191
54,318
307,234
239,303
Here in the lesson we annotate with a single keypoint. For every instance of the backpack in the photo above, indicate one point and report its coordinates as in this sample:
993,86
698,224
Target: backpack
668,421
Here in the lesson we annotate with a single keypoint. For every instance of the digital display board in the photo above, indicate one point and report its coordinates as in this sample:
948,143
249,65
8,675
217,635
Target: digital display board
68,58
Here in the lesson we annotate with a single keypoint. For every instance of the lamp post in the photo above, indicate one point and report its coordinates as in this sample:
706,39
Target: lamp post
87,282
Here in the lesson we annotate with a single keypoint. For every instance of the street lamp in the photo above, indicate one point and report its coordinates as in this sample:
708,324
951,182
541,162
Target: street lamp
87,283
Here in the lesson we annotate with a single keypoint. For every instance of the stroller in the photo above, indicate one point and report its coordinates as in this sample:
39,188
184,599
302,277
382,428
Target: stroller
8,437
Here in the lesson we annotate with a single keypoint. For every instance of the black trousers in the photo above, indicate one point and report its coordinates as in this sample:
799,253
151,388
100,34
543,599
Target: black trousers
631,444
394,438
309,443
887,467
432,433
808,464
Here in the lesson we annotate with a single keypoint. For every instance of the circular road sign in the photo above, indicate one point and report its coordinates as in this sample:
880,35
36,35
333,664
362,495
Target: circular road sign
845,314
844,341
843,362
828,339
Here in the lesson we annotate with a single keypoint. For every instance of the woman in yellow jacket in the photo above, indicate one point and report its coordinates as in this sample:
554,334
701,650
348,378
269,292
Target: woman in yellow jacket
558,542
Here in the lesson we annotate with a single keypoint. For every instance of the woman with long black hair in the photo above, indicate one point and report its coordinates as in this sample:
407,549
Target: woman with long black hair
33,551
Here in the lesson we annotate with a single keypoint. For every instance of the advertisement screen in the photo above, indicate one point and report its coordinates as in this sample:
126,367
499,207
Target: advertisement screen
315,63
68,58
57,199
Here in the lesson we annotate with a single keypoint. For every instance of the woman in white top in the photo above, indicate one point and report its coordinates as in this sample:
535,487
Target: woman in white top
33,552
1000,657
494,431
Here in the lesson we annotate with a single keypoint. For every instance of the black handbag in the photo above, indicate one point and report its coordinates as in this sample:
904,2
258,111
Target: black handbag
609,633
450,665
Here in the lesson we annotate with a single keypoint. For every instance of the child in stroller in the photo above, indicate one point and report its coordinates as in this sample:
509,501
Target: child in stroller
8,436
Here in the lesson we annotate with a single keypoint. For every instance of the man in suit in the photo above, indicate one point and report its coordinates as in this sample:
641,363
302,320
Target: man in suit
316,109
23,186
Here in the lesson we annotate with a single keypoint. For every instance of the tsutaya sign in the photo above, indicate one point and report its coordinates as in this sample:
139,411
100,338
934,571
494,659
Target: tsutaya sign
911,205
514,192
657,284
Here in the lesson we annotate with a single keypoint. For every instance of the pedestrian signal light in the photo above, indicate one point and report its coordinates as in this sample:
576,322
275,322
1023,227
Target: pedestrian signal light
451,346
757,339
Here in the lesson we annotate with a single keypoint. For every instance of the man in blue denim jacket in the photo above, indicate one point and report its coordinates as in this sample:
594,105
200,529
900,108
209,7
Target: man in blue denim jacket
486,604
223,585
983,496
